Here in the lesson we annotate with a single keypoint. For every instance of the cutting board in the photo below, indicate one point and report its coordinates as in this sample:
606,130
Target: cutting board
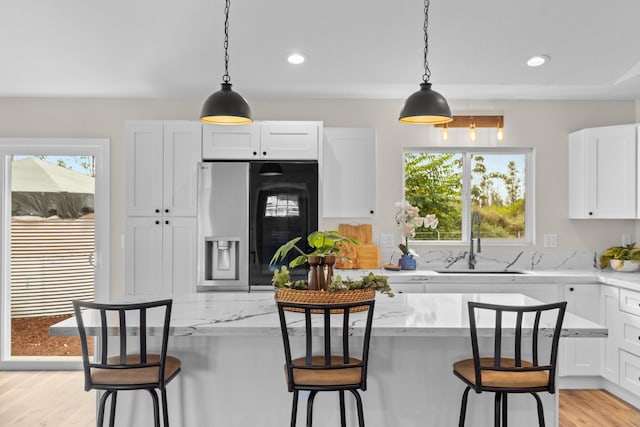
367,255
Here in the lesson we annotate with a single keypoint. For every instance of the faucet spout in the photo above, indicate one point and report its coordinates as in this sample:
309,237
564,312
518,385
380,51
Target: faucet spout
475,219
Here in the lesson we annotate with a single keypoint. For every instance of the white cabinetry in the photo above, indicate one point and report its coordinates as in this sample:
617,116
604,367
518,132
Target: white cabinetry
628,339
610,312
268,140
349,172
581,356
602,172
161,189
161,160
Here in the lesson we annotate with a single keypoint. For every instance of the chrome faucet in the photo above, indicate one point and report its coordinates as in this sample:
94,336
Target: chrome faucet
475,218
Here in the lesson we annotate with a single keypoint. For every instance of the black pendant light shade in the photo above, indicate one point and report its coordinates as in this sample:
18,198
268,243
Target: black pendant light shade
426,106
226,107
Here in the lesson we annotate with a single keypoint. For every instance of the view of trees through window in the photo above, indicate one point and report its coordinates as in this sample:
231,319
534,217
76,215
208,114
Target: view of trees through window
493,183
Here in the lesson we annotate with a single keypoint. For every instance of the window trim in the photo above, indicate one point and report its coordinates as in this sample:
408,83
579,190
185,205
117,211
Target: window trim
529,161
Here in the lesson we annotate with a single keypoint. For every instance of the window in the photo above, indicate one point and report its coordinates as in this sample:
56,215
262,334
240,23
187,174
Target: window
453,183
282,205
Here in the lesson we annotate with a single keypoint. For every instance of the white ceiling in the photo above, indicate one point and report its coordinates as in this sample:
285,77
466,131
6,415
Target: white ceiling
355,48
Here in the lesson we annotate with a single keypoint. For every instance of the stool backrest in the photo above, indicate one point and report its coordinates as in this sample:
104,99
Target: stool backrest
347,346
526,324
108,320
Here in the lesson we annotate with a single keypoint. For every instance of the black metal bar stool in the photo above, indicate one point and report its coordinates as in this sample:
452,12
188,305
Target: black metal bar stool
124,371
328,369
503,373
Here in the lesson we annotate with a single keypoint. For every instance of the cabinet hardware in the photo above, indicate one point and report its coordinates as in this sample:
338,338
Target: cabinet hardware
157,222
255,153
590,213
166,211
571,289
371,211
264,153
166,222
157,210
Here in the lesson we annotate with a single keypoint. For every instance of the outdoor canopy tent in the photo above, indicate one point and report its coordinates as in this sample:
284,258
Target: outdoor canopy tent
40,188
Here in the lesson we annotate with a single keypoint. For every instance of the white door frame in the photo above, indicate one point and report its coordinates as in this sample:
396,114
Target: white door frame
98,147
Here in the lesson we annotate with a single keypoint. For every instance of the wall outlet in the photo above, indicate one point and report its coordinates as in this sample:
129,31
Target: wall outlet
626,239
386,240
550,240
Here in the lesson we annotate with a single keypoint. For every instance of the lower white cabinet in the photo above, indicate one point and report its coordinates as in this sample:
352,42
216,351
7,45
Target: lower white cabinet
630,372
160,255
581,356
609,314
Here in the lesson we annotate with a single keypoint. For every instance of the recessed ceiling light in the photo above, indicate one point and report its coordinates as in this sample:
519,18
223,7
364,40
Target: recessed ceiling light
537,60
296,58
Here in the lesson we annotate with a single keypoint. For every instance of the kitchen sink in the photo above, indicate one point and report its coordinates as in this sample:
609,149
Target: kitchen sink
468,271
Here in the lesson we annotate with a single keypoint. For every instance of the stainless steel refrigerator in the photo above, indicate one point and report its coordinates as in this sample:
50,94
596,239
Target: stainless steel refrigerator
246,210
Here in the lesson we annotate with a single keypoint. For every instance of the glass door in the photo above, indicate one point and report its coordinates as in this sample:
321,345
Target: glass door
51,224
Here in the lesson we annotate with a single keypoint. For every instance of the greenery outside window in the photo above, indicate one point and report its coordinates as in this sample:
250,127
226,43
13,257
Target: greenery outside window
453,183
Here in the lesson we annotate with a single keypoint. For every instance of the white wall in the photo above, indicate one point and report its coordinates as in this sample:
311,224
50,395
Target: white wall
539,124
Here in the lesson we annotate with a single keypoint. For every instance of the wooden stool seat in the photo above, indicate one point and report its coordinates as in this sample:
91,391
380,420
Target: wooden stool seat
327,377
129,376
502,379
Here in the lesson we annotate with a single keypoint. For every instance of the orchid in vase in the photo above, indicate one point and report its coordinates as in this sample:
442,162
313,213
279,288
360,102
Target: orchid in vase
408,219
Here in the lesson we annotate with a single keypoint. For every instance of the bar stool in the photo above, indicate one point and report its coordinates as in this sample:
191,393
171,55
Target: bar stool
503,374
329,369
126,371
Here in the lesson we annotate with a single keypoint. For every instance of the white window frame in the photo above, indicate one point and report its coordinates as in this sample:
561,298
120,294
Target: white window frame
98,147
529,189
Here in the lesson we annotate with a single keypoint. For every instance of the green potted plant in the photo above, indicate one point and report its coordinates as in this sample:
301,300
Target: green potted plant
621,258
325,247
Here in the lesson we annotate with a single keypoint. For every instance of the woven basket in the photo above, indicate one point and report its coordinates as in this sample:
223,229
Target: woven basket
303,296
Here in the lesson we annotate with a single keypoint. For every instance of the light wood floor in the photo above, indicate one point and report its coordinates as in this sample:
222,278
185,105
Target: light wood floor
57,399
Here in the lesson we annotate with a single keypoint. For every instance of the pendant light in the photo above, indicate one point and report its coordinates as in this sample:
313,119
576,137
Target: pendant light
226,106
426,106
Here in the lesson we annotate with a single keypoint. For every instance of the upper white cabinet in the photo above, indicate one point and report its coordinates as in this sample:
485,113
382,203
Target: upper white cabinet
349,172
267,140
602,172
161,159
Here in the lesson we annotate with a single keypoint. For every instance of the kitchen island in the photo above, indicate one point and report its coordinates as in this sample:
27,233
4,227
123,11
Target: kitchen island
232,355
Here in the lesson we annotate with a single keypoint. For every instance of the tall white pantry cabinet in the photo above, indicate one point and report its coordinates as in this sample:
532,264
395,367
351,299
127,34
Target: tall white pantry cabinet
161,205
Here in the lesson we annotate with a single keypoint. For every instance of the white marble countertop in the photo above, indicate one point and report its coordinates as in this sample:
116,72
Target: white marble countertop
481,275
255,314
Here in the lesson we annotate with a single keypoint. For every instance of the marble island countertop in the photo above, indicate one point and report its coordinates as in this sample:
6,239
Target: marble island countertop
255,314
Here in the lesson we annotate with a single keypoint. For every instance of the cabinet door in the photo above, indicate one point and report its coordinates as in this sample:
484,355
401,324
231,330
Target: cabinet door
143,168
182,152
143,261
602,173
349,172
179,255
289,140
222,142
610,314
582,355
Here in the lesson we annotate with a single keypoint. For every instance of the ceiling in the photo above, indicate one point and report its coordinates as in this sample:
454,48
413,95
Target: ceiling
354,48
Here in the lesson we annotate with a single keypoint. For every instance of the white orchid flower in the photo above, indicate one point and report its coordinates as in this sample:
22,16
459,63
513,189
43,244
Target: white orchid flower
430,221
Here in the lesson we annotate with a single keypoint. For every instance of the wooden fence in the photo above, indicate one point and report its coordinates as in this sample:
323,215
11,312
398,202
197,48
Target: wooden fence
51,265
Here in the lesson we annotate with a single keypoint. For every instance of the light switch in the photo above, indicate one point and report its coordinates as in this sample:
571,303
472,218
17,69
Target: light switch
386,240
550,240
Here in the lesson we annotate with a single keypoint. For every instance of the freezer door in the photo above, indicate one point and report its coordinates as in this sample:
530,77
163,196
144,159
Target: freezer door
223,226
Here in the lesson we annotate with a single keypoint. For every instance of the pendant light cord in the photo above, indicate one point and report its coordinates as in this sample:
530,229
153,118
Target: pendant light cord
226,78
427,72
